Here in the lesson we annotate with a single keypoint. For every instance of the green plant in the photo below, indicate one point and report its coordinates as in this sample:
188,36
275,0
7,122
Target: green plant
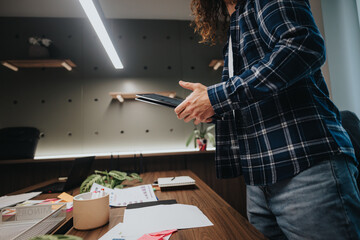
112,179
201,132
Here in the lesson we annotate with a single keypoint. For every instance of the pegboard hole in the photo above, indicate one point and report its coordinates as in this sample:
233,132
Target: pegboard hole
192,67
122,132
168,37
43,101
96,133
147,130
42,135
171,129
95,68
69,134
120,36
145,67
69,100
169,67
17,36
69,36
144,37
95,100
15,102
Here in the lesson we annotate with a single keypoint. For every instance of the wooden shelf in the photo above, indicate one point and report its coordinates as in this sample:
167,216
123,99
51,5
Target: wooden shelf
39,63
122,96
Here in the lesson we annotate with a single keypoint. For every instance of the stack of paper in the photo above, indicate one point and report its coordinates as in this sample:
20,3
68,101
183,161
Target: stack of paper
163,217
140,221
6,201
117,233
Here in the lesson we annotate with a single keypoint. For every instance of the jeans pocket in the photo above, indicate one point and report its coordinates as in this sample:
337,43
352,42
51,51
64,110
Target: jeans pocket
354,173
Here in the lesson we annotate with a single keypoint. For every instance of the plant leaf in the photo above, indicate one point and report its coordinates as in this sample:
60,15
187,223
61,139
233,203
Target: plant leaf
121,176
119,186
86,185
211,138
101,172
190,138
210,128
136,176
197,134
114,182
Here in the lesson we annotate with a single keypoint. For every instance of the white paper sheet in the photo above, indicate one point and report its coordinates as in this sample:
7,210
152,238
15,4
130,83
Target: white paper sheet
6,201
123,197
163,217
117,233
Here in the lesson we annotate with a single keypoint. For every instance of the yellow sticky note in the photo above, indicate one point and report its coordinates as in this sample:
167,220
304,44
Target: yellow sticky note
66,197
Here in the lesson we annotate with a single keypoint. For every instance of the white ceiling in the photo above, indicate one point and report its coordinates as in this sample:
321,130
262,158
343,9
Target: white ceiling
126,9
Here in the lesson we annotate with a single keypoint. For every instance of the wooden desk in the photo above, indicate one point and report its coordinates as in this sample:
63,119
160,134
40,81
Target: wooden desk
228,223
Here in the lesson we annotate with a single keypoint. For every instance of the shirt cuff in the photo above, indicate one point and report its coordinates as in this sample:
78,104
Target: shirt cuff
219,98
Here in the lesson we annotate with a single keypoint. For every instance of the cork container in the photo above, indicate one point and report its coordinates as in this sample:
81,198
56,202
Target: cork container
90,212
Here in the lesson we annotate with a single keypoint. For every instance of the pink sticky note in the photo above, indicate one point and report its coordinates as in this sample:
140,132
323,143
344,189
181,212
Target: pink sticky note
165,233
157,235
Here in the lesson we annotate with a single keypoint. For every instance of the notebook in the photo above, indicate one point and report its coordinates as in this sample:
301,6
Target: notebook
180,181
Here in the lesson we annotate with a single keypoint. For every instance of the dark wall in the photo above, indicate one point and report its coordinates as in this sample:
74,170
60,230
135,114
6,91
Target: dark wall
74,109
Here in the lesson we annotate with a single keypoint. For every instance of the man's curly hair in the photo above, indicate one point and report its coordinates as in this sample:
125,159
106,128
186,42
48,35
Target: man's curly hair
211,19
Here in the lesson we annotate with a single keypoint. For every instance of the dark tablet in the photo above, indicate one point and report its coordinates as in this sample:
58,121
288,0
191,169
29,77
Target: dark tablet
163,101
159,100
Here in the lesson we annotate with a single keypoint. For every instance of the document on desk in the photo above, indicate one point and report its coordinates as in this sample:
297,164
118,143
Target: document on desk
117,233
123,197
6,201
163,217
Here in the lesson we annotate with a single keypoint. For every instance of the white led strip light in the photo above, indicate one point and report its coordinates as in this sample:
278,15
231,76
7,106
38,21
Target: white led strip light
100,30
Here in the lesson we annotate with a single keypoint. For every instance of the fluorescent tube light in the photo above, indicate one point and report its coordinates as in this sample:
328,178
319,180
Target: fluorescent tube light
100,30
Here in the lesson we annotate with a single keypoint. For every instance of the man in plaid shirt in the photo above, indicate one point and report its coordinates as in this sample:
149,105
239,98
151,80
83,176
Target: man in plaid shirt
279,128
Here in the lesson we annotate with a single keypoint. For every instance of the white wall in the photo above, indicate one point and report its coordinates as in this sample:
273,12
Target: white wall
342,33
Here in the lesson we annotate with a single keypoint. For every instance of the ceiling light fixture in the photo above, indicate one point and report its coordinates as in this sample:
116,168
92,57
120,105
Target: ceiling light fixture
100,30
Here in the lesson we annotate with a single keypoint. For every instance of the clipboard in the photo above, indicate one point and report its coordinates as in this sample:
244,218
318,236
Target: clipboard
161,100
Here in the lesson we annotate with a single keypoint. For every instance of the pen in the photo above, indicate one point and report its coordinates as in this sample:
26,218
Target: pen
173,178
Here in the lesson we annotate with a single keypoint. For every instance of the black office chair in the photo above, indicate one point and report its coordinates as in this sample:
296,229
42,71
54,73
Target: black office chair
351,123
18,142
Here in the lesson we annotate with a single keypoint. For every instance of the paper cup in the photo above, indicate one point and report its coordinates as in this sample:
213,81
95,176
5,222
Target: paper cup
90,213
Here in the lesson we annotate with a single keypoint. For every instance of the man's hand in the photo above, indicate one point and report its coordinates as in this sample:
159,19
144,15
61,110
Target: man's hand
196,106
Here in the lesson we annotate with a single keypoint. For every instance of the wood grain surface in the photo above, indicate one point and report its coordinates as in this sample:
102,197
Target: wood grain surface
228,223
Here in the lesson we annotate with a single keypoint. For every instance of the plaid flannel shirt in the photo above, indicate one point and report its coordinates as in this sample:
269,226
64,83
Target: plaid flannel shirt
278,119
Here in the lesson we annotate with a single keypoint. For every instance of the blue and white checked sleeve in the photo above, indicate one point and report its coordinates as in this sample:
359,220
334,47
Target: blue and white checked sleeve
297,50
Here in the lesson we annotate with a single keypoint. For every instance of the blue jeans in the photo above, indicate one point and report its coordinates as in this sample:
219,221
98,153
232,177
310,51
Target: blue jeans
322,202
